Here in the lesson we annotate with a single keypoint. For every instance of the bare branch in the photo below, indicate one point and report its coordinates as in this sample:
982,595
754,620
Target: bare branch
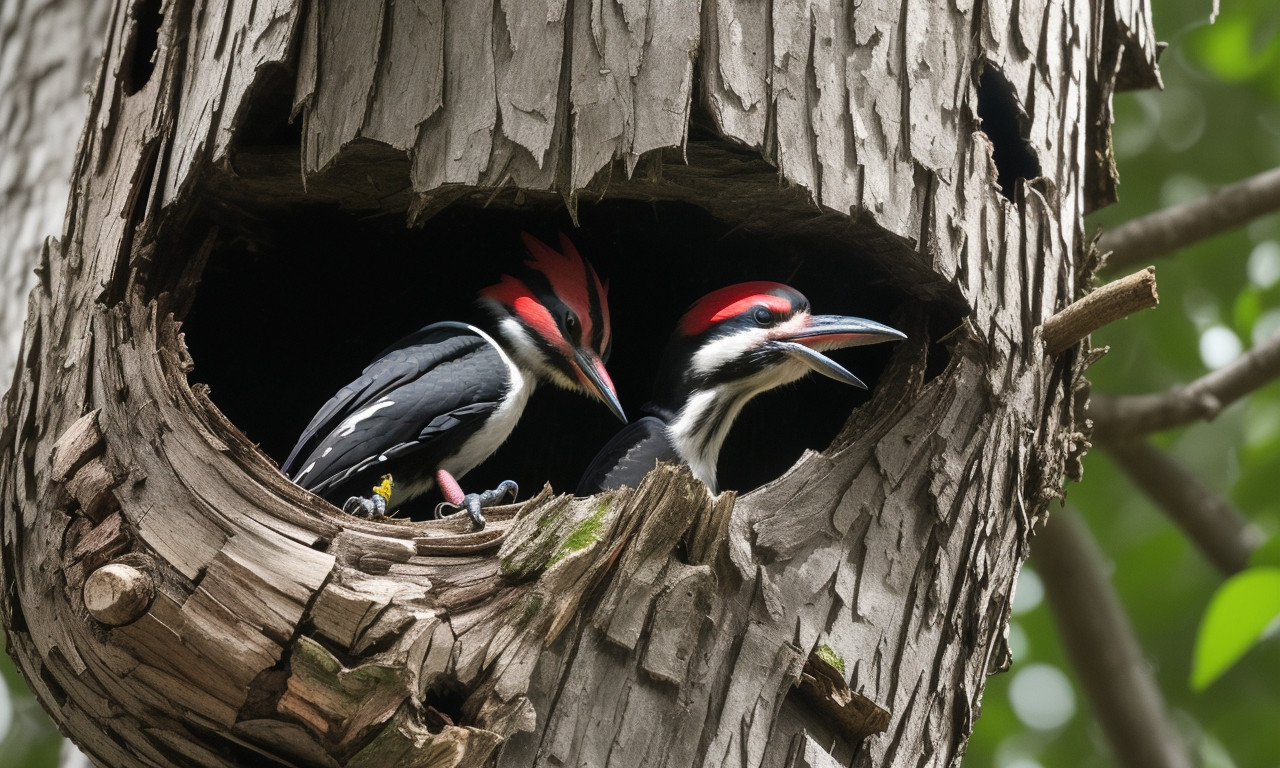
1102,648
1217,529
1204,398
1164,232
1104,306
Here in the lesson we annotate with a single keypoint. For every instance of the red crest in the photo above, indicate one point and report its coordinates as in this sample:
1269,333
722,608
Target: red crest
733,300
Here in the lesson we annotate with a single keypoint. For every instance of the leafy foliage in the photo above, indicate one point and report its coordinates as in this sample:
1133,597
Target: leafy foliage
1240,611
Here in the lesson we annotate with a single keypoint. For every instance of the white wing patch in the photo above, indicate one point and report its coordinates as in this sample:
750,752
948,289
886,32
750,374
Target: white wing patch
350,423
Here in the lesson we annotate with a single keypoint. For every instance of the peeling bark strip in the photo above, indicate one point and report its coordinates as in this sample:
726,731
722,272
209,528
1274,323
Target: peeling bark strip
174,600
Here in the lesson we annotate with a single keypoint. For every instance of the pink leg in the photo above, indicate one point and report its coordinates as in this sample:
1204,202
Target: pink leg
450,488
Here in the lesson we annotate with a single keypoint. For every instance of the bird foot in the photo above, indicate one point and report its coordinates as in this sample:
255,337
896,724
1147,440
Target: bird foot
374,507
473,503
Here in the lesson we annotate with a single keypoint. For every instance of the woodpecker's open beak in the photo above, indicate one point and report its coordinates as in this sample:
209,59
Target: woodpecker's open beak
596,380
835,332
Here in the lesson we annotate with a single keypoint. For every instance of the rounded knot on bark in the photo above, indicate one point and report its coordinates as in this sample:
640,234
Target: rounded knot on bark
118,593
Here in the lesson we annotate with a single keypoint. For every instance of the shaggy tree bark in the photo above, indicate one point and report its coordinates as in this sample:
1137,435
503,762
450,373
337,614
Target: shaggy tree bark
174,600
48,51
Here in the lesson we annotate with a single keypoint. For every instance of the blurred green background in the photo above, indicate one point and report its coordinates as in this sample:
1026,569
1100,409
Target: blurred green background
1217,121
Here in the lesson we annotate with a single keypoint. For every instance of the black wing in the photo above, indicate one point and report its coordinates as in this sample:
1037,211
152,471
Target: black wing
421,399
628,457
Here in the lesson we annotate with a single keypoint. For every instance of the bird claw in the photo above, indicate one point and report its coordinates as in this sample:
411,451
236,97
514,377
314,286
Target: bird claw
372,508
473,503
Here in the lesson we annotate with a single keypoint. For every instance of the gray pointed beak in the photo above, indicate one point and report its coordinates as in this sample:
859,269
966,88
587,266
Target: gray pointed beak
820,363
596,380
837,332
824,332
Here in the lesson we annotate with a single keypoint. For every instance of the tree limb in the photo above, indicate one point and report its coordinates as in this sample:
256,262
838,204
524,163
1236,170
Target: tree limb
1203,398
1163,232
1104,306
1217,529
1102,649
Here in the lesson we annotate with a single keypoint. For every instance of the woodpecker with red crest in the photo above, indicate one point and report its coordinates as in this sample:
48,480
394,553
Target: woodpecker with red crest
730,346
436,403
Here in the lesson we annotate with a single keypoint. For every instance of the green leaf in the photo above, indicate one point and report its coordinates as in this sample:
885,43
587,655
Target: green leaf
1238,613
1231,49
1247,310
1267,554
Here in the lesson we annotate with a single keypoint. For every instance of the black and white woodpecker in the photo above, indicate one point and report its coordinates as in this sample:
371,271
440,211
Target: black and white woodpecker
436,403
732,344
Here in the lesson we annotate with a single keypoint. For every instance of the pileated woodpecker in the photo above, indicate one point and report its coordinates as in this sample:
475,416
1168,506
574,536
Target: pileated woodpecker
730,346
436,403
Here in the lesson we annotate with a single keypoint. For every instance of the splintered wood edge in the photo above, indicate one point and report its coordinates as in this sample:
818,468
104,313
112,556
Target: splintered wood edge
80,442
825,688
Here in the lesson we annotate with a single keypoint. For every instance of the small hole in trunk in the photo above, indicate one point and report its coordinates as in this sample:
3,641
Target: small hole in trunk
1008,128
145,18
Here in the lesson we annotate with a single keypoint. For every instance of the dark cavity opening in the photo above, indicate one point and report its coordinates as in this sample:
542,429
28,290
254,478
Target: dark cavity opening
50,680
1007,127
268,120
443,705
941,327
296,300
145,18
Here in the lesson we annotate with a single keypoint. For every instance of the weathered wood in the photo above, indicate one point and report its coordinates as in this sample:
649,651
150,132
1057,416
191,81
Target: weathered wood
823,683
101,543
808,753
649,626
118,593
51,49
81,442
1104,306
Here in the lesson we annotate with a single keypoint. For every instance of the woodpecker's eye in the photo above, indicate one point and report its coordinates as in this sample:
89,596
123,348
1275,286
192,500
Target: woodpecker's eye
571,323
763,316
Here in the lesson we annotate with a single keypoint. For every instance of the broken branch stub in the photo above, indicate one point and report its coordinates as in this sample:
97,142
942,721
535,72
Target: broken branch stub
1099,308
118,593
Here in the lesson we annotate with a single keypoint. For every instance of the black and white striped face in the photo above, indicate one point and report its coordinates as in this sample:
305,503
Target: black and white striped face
756,336
554,320
737,342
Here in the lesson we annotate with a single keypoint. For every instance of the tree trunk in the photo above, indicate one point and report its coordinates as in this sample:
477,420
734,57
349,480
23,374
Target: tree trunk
173,599
50,50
